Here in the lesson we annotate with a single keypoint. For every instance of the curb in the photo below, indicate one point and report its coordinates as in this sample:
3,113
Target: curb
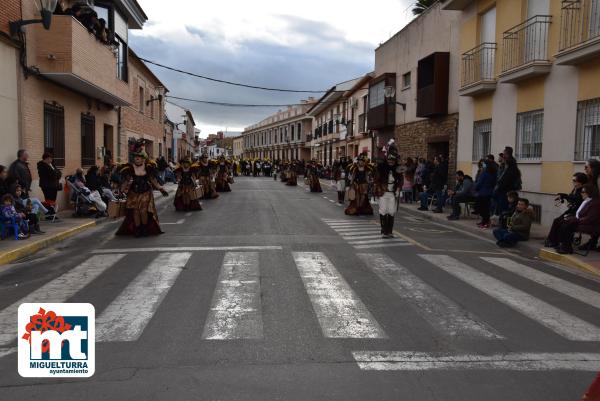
571,261
33,247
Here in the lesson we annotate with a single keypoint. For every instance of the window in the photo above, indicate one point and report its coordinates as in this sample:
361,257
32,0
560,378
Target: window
530,126
406,80
587,139
151,106
299,131
88,140
292,132
122,59
141,99
54,132
482,138
376,95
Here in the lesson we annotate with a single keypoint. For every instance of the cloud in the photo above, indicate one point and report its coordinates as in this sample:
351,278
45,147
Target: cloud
280,49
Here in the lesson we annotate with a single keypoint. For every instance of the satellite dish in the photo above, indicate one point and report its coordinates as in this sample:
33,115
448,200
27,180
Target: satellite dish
389,91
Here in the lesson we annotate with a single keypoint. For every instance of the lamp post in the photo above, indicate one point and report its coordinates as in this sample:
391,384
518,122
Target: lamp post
45,7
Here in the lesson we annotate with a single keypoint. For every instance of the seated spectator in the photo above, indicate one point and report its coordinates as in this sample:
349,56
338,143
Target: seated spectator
464,192
3,181
439,176
9,212
519,226
28,211
586,219
574,200
93,181
80,182
504,218
36,204
484,186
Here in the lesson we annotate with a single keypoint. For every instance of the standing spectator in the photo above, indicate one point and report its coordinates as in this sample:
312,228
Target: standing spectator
592,169
508,180
49,178
586,219
439,177
463,193
574,200
19,171
518,227
3,181
419,173
484,187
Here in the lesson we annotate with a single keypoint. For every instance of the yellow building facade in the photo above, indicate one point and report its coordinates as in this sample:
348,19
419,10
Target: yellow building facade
530,79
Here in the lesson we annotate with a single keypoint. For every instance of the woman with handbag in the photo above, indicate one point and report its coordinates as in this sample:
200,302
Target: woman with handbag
358,193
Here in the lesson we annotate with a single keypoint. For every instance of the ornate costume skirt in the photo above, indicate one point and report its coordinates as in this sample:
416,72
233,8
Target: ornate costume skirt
141,203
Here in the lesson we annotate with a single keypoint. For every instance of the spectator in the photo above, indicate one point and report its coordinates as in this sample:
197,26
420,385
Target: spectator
508,180
162,165
3,181
9,212
439,177
484,187
586,219
504,218
518,227
80,182
37,205
49,178
93,181
463,193
19,171
574,200
29,209
592,169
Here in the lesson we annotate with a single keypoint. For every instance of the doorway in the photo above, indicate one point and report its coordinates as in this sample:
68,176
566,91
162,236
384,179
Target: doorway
108,144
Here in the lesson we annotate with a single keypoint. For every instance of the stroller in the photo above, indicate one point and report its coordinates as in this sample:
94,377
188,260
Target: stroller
82,203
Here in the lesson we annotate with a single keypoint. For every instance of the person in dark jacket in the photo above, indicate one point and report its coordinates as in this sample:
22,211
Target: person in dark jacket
508,180
484,187
439,178
513,200
463,192
4,188
19,171
574,200
49,178
586,219
518,227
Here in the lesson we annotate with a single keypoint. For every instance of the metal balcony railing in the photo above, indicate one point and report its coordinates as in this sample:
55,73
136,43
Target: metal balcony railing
478,64
579,22
526,43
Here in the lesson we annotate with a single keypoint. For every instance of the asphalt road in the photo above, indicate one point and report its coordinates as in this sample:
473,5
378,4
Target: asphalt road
272,293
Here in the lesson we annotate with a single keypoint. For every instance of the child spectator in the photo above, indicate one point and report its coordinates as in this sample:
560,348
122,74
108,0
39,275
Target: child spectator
519,226
9,212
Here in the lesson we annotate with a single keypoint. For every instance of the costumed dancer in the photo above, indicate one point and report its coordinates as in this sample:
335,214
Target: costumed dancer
313,177
205,177
292,175
358,194
283,171
339,176
388,183
186,197
138,182
222,178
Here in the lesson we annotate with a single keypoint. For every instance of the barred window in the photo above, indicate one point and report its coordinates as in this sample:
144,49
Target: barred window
587,137
54,132
482,139
530,128
88,140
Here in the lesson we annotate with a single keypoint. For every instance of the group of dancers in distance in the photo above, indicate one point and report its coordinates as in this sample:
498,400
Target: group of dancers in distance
196,181
352,179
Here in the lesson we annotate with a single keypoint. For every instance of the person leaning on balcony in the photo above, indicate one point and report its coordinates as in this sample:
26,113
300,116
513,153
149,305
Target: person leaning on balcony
49,178
586,219
19,171
574,200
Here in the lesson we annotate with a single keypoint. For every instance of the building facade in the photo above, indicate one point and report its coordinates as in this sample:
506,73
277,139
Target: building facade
529,79
331,123
282,136
9,90
238,146
413,96
359,140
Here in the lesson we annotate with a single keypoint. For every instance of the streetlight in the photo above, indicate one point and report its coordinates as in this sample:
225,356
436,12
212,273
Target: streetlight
390,93
45,7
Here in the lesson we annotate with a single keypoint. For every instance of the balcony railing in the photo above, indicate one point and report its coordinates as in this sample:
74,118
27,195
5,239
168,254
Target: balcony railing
478,64
526,43
579,22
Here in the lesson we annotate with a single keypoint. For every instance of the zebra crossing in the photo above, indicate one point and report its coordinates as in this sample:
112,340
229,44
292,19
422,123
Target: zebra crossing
236,307
363,234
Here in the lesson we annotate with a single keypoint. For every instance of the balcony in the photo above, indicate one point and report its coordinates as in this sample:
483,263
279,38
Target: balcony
433,74
525,50
69,55
478,70
579,31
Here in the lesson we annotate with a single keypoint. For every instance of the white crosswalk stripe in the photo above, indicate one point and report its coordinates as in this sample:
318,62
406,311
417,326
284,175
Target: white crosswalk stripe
379,241
58,290
573,290
340,312
127,316
236,311
437,309
363,234
560,322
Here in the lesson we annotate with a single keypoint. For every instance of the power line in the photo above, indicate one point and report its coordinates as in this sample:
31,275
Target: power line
229,82
233,104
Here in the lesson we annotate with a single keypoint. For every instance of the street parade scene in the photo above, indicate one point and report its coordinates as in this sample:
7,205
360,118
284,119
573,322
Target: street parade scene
297,201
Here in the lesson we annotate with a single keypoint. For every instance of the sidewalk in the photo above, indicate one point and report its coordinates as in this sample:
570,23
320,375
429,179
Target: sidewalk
67,226
533,248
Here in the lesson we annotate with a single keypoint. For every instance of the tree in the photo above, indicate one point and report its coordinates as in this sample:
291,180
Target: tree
422,5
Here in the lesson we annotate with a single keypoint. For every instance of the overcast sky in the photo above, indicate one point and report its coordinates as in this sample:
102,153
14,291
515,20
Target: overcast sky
306,44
